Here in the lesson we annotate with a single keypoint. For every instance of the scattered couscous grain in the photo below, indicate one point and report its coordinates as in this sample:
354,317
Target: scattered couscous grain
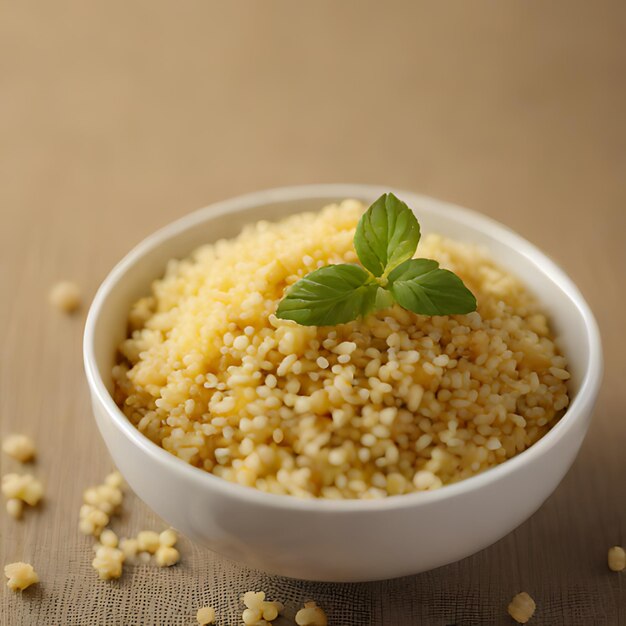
20,447
92,520
108,538
205,616
251,617
24,487
105,497
393,403
65,296
311,615
20,575
148,541
522,608
130,548
108,562
144,557
114,479
166,556
617,559
168,538
269,611
259,611
15,507
101,502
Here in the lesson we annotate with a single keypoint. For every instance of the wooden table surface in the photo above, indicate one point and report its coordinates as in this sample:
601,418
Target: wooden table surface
117,117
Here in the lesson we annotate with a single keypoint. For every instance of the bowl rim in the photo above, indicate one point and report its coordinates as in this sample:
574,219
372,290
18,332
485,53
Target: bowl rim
581,404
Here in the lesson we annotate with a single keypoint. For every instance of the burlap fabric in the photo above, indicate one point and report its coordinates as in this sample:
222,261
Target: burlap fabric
473,592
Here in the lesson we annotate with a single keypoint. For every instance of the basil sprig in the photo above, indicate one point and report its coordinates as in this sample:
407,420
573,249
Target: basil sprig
385,241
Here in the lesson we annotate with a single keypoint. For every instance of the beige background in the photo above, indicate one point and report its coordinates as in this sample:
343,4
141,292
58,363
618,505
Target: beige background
117,116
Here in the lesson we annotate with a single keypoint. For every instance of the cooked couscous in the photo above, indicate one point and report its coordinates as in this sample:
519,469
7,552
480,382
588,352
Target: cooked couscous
388,404
65,296
205,615
258,609
617,559
23,487
20,575
20,447
522,607
311,615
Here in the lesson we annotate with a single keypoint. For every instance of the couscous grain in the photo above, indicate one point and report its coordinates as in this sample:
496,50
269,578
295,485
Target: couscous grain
259,611
166,556
205,616
65,296
148,541
522,608
108,562
311,615
15,507
24,487
617,559
20,447
20,575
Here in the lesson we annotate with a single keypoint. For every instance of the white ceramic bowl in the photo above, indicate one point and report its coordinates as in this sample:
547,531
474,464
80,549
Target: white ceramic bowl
341,540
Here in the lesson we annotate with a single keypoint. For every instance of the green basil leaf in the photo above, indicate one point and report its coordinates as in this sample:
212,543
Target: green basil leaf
334,294
387,234
421,286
